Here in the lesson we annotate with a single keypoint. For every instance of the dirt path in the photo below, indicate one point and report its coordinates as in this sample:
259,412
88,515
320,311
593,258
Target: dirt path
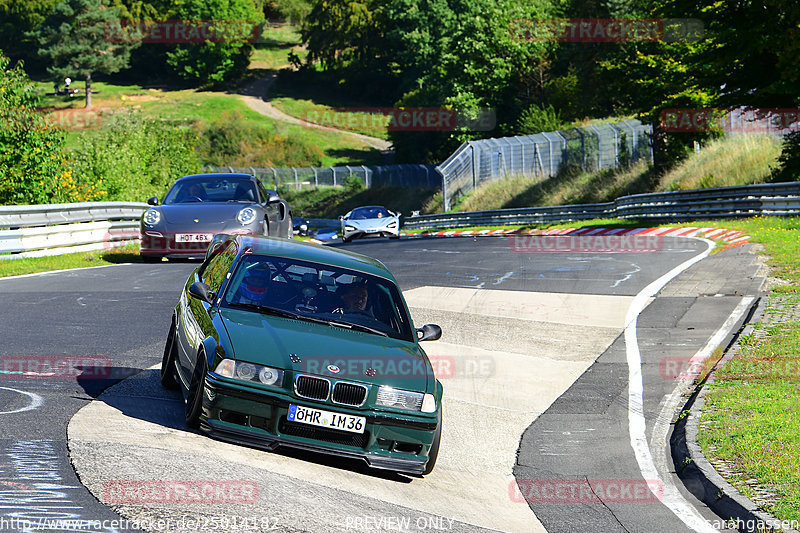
255,96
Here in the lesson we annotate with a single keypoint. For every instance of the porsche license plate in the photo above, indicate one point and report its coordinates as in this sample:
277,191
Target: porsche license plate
193,237
326,419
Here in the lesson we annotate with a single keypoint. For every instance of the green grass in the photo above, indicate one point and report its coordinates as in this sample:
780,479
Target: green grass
732,160
30,265
277,42
307,146
315,97
569,187
372,124
751,421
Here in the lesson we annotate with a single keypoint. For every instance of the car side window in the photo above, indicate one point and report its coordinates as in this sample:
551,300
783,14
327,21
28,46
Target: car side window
214,274
263,191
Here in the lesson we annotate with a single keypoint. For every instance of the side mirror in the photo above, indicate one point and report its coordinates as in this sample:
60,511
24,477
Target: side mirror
429,332
273,197
201,291
341,218
153,200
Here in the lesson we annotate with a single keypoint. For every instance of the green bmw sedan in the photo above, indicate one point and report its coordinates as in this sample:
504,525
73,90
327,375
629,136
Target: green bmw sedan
279,343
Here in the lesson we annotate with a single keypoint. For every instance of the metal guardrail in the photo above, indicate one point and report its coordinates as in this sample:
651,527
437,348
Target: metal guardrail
40,230
780,199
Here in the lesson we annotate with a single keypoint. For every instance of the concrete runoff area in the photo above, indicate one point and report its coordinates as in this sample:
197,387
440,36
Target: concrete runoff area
135,430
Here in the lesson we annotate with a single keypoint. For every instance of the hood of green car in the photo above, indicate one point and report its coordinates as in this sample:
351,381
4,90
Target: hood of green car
333,352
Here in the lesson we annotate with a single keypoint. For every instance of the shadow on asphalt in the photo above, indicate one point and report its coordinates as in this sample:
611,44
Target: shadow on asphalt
143,398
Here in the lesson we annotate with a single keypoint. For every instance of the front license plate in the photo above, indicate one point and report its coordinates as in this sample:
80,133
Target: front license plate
326,419
193,237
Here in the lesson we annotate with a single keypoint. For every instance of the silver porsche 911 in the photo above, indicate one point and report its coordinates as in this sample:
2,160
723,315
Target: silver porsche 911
199,206
370,221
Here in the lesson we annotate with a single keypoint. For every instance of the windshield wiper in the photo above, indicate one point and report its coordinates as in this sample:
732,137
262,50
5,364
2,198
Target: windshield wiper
357,327
288,314
267,310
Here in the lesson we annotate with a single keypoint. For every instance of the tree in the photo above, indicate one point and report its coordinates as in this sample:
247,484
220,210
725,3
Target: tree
218,61
17,18
75,40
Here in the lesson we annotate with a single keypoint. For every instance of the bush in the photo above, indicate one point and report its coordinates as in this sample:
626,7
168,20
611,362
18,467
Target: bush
788,168
233,141
132,158
33,167
537,119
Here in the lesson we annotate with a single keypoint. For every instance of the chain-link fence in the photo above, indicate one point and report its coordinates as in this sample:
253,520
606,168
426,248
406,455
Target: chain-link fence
593,147
371,176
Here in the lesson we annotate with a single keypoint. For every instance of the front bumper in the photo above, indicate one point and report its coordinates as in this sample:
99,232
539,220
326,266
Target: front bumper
156,243
256,418
371,232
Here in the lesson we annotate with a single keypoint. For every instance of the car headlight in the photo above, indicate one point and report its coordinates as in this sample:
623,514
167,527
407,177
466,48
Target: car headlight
349,228
246,216
152,217
250,372
401,399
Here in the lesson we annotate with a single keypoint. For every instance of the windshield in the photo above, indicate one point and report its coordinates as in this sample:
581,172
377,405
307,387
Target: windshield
364,213
212,190
319,293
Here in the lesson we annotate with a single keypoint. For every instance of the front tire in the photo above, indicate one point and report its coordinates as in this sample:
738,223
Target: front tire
194,402
434,451
168,380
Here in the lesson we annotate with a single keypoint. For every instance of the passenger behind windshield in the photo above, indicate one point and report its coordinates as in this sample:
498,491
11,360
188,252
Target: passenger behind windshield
227,190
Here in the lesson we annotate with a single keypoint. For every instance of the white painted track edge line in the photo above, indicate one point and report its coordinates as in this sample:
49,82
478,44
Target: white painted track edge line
662,424
671,498
46,272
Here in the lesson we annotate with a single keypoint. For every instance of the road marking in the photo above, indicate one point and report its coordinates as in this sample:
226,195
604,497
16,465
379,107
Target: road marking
47,273
36,402
662,423
671,498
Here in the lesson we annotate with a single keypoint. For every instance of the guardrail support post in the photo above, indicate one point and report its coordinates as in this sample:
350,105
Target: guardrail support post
316,180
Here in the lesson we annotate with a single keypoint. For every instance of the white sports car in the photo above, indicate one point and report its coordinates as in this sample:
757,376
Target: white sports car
370,221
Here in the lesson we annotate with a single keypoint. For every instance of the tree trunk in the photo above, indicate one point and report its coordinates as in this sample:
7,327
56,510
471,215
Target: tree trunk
88,89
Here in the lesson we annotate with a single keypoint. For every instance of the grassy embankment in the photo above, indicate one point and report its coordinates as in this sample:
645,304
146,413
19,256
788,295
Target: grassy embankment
751,420
728,161
263,141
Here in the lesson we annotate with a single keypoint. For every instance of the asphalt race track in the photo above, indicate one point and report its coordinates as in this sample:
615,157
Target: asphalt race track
542,430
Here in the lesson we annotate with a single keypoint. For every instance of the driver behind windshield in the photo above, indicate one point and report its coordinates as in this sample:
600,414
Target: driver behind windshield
253,288
195,192
353,299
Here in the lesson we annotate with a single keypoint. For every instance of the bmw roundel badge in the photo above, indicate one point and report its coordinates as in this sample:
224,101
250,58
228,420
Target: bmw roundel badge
333,368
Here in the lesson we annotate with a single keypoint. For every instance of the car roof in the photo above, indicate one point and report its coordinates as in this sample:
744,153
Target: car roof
369,207
217,176
314,253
